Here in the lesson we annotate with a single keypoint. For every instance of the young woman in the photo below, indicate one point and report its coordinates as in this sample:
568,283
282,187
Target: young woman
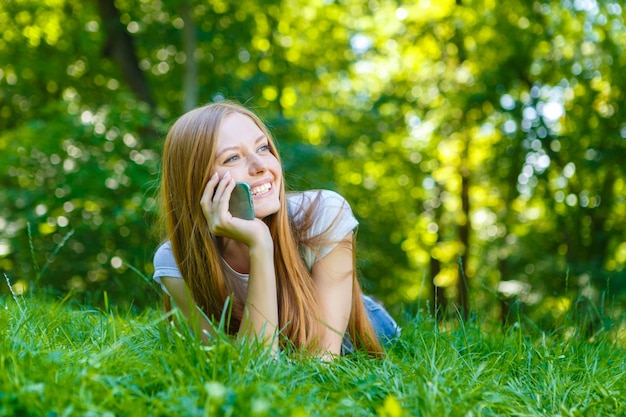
289,274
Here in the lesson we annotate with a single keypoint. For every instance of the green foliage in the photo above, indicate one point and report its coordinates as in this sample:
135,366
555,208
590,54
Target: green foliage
96,182
459,131
65,359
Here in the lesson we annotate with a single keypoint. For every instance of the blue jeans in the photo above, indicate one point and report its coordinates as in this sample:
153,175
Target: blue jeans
384,325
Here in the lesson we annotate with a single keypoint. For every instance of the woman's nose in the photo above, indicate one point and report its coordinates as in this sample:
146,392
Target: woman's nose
257,164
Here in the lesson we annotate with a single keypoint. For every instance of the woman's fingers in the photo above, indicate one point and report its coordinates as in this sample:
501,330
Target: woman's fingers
221,195
206,201
215,203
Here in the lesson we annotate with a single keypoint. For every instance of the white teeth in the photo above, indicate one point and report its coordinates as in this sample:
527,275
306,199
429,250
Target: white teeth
261,189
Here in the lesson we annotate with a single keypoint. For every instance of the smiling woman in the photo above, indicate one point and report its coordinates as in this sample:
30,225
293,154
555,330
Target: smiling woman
288,274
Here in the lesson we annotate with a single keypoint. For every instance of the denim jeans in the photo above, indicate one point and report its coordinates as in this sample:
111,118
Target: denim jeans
384,325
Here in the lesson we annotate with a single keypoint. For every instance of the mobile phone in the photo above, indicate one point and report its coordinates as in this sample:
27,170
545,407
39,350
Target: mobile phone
240,204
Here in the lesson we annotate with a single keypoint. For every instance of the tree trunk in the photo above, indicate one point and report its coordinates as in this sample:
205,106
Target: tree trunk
440,301
190,40
464,231
120,48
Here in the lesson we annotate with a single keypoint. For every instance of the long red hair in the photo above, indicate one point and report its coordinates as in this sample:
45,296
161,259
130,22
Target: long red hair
188,161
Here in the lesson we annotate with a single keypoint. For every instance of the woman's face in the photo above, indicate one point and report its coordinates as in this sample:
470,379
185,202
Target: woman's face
244,151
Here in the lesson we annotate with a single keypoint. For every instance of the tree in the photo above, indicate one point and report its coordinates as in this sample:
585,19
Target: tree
480,145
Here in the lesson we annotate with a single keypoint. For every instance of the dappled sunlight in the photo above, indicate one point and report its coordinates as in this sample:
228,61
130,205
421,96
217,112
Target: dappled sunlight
471,140
446,278
5,247
620,336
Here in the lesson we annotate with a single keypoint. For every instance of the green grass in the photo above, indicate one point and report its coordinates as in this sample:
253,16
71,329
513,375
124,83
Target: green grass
58,359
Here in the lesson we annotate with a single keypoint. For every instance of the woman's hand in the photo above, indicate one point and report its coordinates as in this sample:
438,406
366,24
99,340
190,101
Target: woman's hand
215,203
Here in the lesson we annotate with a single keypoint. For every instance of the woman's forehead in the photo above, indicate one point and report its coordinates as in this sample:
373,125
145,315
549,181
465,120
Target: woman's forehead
239,129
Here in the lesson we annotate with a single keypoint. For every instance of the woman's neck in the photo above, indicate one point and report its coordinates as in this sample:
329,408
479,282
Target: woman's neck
235,254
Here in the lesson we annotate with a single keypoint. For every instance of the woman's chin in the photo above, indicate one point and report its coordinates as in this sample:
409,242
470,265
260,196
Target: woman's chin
265,209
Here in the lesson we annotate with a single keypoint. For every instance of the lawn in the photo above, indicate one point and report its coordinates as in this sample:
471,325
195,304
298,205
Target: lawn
61,359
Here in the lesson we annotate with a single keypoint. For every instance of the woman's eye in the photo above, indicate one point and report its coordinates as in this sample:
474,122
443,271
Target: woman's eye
232,158
264,148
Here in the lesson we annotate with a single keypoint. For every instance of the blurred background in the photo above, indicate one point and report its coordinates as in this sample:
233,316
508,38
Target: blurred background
481,144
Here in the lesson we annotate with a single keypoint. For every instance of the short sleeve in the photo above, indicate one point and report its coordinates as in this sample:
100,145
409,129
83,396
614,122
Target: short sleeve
332,221
165,264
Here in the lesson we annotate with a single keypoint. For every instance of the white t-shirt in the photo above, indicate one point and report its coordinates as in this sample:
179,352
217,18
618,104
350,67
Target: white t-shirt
333,218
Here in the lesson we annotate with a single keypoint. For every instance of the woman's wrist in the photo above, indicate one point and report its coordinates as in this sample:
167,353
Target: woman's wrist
262,246
259,235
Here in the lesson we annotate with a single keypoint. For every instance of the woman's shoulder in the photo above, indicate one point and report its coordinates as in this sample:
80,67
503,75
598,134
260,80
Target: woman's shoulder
317,210
323,218
164,250
164,261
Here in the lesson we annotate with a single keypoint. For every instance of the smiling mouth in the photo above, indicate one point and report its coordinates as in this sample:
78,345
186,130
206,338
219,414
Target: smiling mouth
261,189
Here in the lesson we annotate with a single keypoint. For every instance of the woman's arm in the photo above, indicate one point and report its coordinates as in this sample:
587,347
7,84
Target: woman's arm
261,312
179,292
333,276
260,315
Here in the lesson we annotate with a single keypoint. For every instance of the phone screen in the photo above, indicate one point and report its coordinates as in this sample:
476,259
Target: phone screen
240,204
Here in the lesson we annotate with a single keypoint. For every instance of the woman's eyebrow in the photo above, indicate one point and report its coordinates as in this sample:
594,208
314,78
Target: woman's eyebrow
261,138
230,148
